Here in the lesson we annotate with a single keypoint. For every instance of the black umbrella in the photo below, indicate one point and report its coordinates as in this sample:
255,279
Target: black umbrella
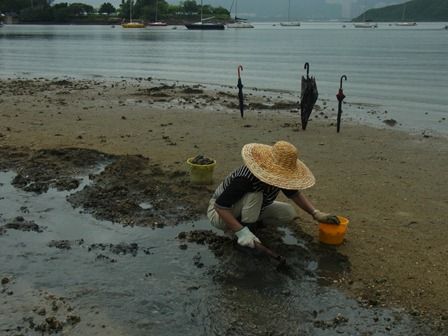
340,96
308,96
240,91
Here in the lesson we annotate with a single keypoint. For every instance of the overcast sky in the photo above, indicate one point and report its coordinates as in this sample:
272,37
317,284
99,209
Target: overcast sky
300,9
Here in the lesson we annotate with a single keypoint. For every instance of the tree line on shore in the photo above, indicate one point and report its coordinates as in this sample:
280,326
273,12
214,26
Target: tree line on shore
414,10
43,11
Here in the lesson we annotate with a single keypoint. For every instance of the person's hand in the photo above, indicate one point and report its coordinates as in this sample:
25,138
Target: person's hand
323,217
246,237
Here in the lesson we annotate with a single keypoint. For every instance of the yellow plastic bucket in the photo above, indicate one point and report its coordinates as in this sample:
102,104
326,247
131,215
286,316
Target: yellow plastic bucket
201,174
332,234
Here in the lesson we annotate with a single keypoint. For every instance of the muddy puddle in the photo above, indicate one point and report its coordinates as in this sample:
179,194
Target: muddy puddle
65,271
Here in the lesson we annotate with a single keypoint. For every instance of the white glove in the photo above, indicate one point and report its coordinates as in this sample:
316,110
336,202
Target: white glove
246,238
323,217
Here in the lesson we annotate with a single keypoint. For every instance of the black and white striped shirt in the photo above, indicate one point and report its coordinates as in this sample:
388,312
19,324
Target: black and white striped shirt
240,182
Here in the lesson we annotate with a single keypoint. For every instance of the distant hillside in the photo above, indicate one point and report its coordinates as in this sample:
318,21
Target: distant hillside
415,10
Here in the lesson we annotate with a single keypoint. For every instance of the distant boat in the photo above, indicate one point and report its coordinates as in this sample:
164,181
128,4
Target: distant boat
365,25
403,23
239,22
290,23
406,24
205,26
157,23
132,24
202,25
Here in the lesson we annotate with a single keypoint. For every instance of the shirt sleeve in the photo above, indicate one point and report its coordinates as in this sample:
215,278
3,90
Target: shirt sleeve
237,188
290,193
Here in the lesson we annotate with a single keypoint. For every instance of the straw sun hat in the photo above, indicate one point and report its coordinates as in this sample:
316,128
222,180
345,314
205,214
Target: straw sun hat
278,165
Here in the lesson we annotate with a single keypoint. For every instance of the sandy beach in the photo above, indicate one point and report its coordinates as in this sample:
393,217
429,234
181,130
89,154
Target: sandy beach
390,184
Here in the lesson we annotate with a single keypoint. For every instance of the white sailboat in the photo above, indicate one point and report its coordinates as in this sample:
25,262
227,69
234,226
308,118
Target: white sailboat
203,25
239,22
403,23
290,23
157,23
406,24
365,24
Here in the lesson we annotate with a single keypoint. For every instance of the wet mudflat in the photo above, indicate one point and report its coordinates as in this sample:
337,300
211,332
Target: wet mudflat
96,244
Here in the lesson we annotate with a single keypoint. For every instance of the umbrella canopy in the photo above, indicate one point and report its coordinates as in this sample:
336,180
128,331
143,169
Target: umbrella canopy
308,96
340,96
240,92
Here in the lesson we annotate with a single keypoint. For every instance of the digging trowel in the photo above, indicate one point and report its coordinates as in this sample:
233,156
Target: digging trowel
281,260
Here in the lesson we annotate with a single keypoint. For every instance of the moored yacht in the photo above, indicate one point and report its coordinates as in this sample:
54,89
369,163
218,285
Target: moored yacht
365,25
406,24
132,24
239,22
205,26
202,25
290,23
403,23
156,22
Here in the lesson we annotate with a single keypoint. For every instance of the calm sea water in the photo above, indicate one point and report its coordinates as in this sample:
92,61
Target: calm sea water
403,70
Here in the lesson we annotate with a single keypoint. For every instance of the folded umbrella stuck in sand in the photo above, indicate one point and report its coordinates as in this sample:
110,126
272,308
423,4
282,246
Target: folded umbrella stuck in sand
308,96
240,91
340,96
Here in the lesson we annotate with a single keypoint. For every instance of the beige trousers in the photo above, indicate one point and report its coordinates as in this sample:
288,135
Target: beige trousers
248,210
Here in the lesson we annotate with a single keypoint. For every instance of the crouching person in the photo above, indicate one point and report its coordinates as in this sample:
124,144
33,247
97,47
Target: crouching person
248,194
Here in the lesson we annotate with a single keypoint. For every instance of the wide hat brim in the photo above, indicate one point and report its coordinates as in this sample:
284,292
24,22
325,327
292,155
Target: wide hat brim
260,160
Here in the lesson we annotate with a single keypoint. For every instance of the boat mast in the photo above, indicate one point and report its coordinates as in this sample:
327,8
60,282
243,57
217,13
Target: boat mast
130,10
156,10
236,15
289,8
201,11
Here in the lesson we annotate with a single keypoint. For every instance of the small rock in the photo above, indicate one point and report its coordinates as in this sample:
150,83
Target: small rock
390,122
41,311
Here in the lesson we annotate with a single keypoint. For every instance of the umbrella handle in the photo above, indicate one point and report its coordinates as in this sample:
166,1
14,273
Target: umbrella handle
342,77
307,67
240,67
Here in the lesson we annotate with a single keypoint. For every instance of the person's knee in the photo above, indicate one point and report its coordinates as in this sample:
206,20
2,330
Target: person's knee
252,203
214,218
287,216
279,213
216,221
